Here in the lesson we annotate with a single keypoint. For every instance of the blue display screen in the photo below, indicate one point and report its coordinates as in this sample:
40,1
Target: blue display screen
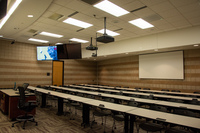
47,53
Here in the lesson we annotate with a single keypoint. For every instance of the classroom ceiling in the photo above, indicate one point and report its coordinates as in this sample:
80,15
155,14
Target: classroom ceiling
165,15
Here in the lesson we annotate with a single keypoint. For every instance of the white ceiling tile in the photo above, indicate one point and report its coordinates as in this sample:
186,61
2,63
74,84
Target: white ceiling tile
121,3
54,7
195,21
62,2
161,7
65,11
49,22
191,15
133,5
152,2
189,8
77,5
179,3
144,12
169,13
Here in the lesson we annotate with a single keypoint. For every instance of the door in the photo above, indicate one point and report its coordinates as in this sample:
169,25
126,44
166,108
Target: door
58,71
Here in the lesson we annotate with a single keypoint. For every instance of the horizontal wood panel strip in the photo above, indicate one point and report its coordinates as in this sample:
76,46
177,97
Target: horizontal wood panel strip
24,67
131,75
80,69
25,61
192,66
22,73
78,78
118,64
118,69
192,75
192,58
24,79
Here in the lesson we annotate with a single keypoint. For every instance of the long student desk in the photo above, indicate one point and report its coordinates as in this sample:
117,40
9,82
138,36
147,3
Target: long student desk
130,112
148,91
160,96
9,101
139,100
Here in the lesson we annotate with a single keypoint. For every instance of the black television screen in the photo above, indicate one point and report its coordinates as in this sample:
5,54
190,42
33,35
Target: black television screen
69,51
47,53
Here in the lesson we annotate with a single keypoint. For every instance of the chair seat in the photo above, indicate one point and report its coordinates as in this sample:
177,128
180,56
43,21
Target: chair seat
152,127
118,117
25,117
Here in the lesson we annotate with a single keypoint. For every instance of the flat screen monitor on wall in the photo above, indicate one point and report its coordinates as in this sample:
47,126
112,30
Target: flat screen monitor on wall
168,65
47,53
69,51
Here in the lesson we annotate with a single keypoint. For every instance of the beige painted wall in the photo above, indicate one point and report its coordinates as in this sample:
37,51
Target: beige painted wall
125,72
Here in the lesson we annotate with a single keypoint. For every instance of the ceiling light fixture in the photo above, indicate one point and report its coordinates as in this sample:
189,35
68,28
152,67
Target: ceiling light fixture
58,43
111,8
51,34
78,40
196,45
10,12
38,40
78,23
30,16
141,23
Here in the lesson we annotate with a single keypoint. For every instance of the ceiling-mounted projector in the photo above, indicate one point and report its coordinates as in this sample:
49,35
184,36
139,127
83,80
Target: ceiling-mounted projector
105,38
91,47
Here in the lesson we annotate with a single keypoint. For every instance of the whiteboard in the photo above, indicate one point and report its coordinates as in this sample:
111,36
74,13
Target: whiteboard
167,65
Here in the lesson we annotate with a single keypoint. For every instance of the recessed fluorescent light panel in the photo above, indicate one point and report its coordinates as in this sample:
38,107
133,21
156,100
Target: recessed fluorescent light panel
78,23
78,40
38,40
141,23
30,16
111,8
51,34
10,12
109,32
58,43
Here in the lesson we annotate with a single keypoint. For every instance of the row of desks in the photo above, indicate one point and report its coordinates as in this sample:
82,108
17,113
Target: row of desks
128,98
160,96
130,112
146,91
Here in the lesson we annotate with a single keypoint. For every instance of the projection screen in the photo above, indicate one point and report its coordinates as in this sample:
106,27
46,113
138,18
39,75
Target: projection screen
167,65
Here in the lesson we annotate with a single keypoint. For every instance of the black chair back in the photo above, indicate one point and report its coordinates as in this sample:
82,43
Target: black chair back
22,99
25,85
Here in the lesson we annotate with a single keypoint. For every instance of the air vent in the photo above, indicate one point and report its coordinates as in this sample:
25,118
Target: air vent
118,29
80,29
32,31
73,14
138,9
91,2
56,16
153,17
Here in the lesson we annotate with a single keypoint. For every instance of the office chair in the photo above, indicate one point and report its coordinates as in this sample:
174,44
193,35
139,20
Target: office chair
154,126
25,106
100,112
117,116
